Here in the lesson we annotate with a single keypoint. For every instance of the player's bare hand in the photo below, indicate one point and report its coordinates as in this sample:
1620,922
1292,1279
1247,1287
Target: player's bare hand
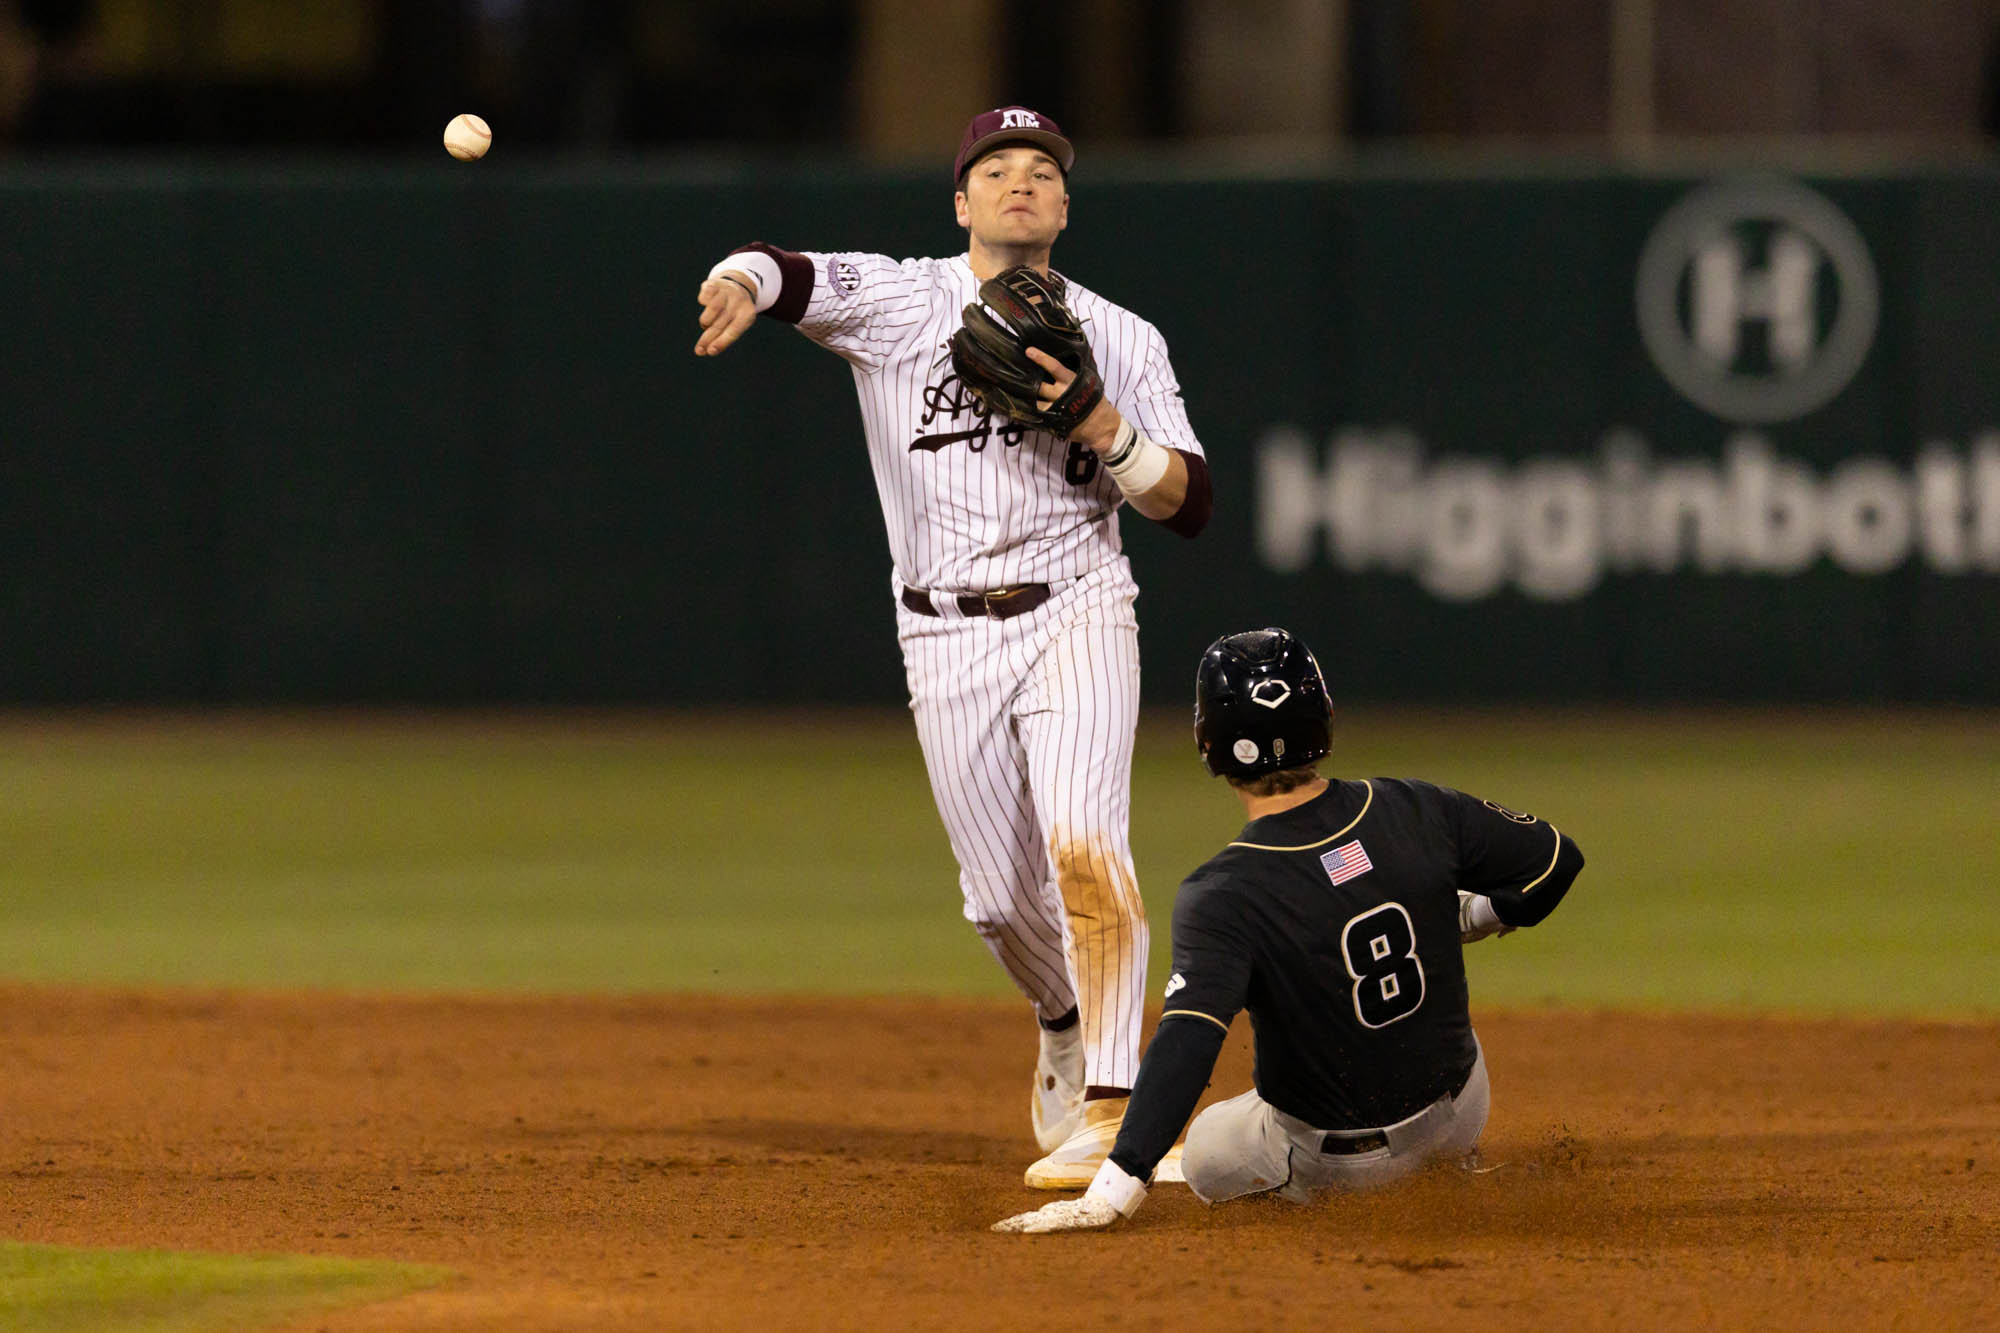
1096,431
1085,1214
1059,375
726,311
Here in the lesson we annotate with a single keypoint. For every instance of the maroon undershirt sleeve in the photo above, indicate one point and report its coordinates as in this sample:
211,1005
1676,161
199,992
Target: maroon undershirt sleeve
797,286
1199,502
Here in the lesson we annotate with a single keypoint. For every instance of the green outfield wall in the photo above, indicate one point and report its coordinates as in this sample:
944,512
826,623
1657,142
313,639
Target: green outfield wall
435,434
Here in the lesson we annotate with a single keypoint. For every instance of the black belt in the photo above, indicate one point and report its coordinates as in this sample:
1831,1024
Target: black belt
999,604
1333,1145
1351,1144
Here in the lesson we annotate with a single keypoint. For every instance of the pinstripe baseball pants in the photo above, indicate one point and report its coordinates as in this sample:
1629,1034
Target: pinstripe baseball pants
1026,726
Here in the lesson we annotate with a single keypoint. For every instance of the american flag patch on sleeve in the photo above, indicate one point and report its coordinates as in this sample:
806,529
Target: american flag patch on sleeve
1345,862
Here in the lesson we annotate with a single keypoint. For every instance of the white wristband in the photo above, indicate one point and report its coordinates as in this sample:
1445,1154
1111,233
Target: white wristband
1112,1185
1478,919
760,267
1136,463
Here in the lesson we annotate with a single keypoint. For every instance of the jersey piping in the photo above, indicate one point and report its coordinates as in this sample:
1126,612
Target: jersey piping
1529,886
1359,815
1194,1013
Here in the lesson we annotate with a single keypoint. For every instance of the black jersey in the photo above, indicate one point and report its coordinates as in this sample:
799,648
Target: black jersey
1335,923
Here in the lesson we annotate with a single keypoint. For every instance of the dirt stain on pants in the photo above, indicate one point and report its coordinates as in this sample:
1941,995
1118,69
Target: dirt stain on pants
1106,941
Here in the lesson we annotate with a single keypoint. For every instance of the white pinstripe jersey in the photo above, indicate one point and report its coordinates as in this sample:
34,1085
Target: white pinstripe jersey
973,504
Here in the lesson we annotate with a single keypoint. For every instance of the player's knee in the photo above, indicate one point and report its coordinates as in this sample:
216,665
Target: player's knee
1218,1173
1096,882
1226,1158
1201,1165
1003,901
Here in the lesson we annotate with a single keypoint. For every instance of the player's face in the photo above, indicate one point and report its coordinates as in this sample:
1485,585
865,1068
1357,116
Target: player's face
1014,198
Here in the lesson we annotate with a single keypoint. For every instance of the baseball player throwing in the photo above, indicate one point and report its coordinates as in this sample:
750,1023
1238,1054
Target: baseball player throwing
1338,920
1009,412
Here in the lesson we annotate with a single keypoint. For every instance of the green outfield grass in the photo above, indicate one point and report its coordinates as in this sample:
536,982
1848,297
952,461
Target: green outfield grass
1819,862
54,1289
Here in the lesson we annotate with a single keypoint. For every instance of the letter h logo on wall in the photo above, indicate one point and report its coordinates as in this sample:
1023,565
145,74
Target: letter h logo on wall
1727,293
1020,120
1757,299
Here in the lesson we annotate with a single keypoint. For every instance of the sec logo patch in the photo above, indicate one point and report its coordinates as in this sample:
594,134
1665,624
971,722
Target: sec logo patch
1505,813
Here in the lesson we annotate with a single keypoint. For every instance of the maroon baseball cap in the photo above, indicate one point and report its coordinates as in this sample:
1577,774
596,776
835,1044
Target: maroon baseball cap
1010,124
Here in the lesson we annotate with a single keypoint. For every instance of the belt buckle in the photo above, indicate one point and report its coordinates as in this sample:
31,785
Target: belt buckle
996,603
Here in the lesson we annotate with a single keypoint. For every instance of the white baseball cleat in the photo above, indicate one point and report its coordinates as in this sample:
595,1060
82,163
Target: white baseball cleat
1168,1172
1057,1105
1070,1165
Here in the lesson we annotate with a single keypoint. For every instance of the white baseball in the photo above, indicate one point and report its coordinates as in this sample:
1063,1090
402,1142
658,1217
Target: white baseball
467,137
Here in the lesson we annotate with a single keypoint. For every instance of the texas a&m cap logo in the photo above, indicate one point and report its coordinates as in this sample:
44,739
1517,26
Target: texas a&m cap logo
1011,124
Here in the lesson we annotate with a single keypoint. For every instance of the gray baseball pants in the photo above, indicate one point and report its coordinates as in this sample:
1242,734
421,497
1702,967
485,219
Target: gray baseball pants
1247,1146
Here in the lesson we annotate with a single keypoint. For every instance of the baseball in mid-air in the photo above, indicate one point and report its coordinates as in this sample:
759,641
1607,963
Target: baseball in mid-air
467,137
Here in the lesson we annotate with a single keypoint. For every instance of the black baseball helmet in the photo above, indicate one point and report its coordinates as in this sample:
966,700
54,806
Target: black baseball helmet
1260,704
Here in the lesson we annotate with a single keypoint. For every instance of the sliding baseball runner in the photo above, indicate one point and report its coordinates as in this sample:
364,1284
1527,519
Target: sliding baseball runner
1009,413
1338,920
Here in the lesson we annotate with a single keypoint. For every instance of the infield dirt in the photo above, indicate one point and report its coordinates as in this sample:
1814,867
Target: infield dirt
697,1162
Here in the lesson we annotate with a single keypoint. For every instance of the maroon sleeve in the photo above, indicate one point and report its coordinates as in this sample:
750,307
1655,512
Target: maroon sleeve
1197,504
797,286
